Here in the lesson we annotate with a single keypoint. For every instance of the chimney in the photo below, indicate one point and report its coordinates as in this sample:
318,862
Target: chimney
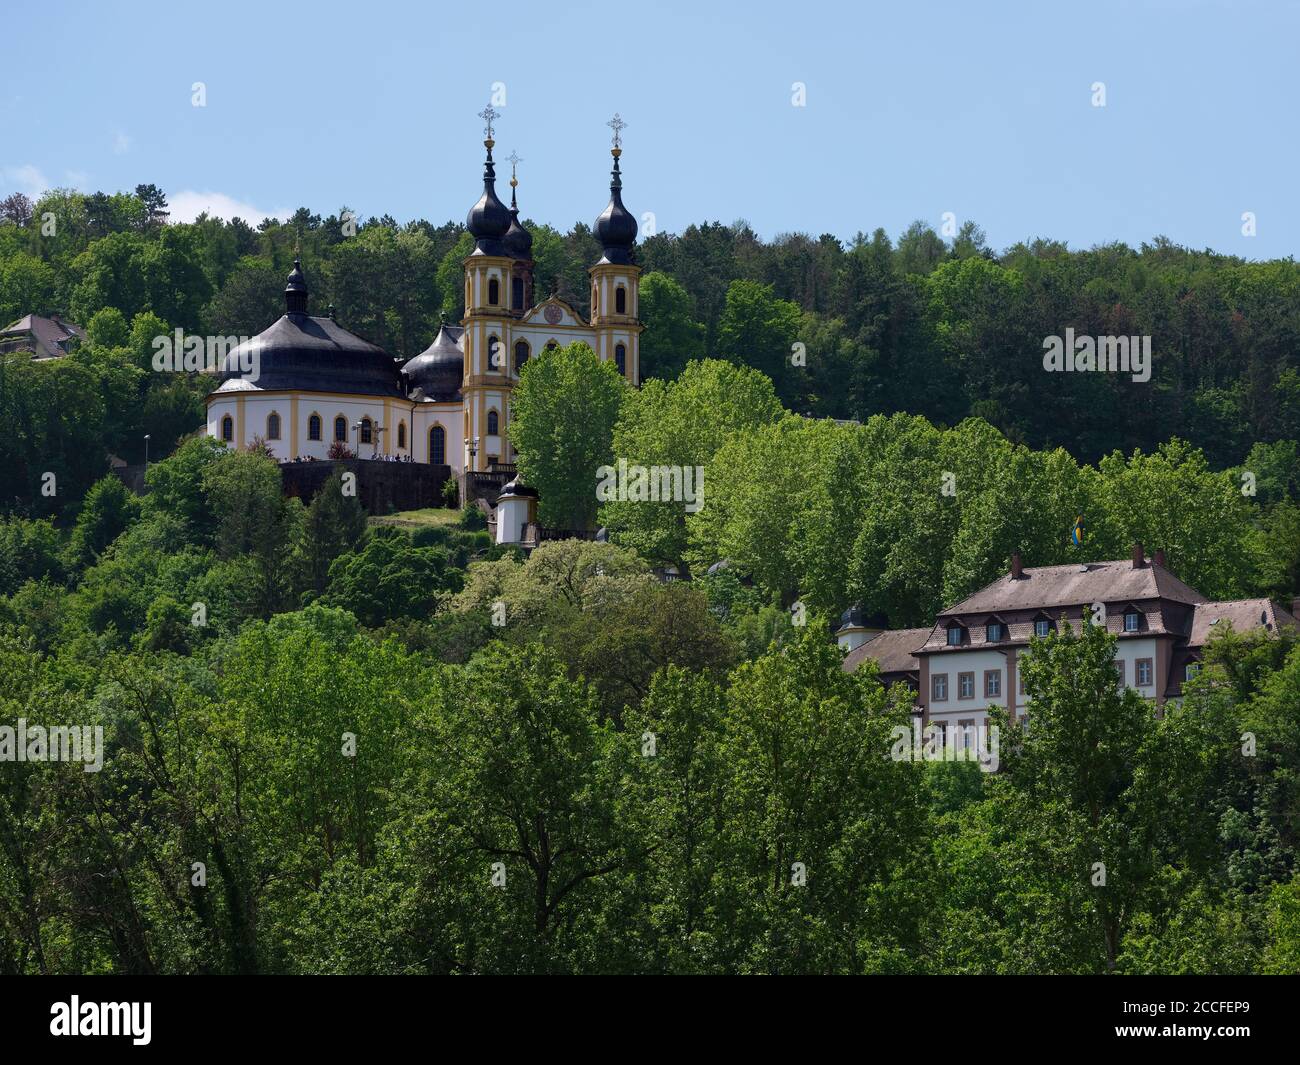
1017,570
1139,559
1159,557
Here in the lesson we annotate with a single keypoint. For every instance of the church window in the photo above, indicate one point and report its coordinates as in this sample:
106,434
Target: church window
620,358
438,445
341,429
494,423
551,345
228,429
273,426
313,427
367,431
620,300
521,354
494,292
401,435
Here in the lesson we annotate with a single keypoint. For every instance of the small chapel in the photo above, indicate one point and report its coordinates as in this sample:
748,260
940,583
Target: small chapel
316,384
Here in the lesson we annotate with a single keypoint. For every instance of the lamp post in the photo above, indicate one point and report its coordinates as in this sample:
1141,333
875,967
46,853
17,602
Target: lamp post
472,445
146,451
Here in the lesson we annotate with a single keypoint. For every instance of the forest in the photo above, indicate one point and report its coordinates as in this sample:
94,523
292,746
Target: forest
340,742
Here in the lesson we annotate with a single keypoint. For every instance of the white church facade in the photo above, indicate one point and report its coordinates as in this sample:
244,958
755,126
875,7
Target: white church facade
314,384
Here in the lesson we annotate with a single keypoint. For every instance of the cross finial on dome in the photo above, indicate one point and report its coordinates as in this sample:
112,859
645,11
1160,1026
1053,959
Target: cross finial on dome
514,162
488,115
617,125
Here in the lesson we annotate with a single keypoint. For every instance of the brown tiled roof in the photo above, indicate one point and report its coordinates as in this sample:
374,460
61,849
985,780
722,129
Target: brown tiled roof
1076,583
892,651
1243,614
1155,622
49,334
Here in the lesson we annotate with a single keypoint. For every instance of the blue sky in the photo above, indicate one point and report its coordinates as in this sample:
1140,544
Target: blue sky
913,109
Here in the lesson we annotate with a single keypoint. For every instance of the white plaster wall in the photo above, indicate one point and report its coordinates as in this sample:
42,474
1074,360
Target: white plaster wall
972,661
418,417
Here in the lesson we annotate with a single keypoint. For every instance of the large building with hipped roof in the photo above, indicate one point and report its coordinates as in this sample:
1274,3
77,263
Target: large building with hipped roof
969,659
313,384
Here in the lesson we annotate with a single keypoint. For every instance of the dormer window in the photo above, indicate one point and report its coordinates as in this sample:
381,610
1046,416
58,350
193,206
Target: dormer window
1042,627
995,631
956,635
1132,620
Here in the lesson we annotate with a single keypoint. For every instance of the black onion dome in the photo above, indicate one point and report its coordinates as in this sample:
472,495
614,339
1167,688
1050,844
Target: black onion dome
517,488
439,368
295,290
857,618
518,241
616,228
488,219
299,352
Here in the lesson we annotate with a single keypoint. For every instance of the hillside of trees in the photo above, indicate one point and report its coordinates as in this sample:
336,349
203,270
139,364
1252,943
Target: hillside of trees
946,329
339,743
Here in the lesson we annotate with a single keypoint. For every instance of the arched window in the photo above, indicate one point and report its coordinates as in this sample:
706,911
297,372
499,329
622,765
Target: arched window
521,354
367,431
273,426
228,429
313,427
620,300
517,293
551,345
401,435
620,358
494,292
341,429
494,424
438,446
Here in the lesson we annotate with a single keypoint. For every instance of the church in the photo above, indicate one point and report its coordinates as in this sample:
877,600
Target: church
315,384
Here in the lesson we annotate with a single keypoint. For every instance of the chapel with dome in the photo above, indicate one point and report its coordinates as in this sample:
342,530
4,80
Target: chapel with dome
316,384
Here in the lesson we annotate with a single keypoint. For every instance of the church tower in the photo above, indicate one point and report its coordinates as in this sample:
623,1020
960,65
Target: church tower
519,246
615,279
490,273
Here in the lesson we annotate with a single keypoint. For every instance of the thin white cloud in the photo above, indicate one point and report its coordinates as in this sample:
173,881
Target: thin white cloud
26,179
187,205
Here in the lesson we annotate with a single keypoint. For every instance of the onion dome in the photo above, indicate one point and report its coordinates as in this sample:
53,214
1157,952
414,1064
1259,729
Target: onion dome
518,241
517,487
300,352
616,228
489,219
295,291
439,368
857,618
